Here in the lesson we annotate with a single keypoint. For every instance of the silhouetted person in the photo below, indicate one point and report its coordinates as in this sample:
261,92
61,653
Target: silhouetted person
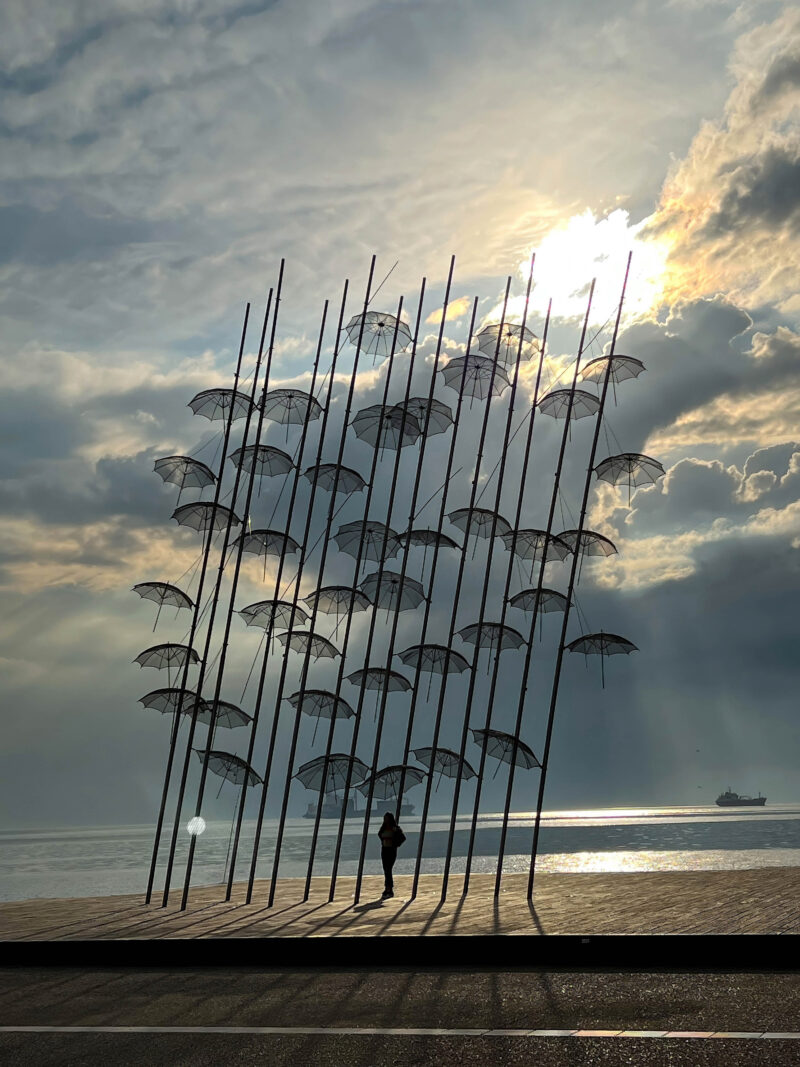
391,838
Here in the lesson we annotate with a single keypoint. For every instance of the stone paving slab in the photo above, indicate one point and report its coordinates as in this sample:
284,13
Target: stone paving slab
763,901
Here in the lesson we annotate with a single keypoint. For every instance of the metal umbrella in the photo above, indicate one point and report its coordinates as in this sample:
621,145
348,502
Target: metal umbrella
385,783
266,613
378,333
445,761
557,404
602,645
162,593
267,543
528,599
491,635
227,714
215,404
168,700
337,600
185,472
426,539
591,543
386,427
620,368
230,768
480,522
379,678
290,407
167,656
268,461
339,765
439,416
505,748
505,341
320,704
379,542
632,468
392,592
434,659
324,475
301,640
201,515
479,375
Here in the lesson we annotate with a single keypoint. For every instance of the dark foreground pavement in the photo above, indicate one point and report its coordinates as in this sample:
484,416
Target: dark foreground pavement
445,999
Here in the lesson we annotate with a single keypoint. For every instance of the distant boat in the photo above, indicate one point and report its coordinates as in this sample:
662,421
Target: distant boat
729,799
332,809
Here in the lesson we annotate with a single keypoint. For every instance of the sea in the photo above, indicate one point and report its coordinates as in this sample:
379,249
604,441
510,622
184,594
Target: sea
109,860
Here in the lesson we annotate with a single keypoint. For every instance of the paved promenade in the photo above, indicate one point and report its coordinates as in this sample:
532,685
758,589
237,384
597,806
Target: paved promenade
761,901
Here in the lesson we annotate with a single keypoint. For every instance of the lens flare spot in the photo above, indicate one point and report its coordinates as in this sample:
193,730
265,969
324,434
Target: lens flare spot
196,826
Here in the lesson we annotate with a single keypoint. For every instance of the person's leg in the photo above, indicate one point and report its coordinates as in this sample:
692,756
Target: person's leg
389,879
386,861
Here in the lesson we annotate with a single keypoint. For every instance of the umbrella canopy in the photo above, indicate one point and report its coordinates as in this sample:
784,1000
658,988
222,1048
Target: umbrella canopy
550,600
622,368
557,404
229,767
475,376
433,659
202,516
491,635
215,404
227,714
385,783
325,476
392,591
302,640
320,704
629,468
530,544
379,678
337,600
184,472
439,420
378,334
505,747
379,542
444,761
480,522
592,544
426,538
602,645
508,340
267,543
168,655
266,613
386,427
268,461
163,593
167,701
290,406
335,776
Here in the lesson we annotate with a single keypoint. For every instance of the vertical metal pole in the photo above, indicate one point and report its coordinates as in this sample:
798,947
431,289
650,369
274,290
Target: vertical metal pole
197,612
484,596
565,436
331,510
571,587
506,590
457,597
296,582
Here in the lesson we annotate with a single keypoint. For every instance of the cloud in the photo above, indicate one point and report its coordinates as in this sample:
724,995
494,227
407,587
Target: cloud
461,305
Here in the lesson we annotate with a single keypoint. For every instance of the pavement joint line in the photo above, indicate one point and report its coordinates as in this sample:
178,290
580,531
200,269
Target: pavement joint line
376,1031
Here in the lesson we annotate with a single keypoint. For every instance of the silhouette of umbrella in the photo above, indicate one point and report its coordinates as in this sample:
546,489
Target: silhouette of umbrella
227,714
378,334
320,704
167,656
379,542
268,461
290,407
338,765
267,543
434,659
591,544
168,700
185,472
445,761
505,341
439,420
302,640
230,768
425,539
324,475
162,593
480,522
385,783
632,468
273,612
215,404
506,748
379,678
622,368
337,600
557,404
201,515
386,427
603,645
529,544
550,601
479,376
392,592
491,635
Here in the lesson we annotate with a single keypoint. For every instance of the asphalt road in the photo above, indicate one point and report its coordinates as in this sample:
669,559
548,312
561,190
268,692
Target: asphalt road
443,999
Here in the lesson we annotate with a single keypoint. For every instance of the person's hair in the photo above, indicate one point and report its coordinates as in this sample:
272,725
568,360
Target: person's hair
388,820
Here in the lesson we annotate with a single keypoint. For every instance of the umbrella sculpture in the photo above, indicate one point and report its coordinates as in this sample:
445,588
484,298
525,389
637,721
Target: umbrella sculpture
324,475
530,544
505,747
167,701
603,645
301,640
185,472
491,635
290,407
162,593
632,468
393,592
385,783
528,599
445,761
557,404
230,768
620,368
379,678
268,461
434,659
214,404
167,656
386,427
379,542
320,704
480,522
425,539
439,420
228,715
337,600
266,613
591,544
505,341
310,774
267,543
378,334
204,516
478,374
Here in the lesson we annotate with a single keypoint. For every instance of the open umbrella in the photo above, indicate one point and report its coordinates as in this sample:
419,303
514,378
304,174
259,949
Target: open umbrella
602,645
230,768
338,765
591,543
506,748
325,476
505,341
439,416
378,333
267,543
386,427
549,601
215,404
162,593
320,704
392,592
202,515
433,659
445,761
557,404
266,613
268,461
337,600
385,783
426,539
379,678
168,700
480,522
622,368
167,656
631,468
302,640
379,542
185,472
491,635
479,376
290,407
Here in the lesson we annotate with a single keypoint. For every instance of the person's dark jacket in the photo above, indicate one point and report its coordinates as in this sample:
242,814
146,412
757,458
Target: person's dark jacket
398,837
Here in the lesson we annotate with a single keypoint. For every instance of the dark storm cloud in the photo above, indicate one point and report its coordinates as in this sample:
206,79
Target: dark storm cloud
783,75
760,192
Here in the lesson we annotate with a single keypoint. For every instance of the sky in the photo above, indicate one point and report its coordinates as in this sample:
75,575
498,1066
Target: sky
157,161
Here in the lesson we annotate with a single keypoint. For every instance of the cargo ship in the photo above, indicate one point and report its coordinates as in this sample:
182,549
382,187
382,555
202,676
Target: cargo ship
729,799
332,809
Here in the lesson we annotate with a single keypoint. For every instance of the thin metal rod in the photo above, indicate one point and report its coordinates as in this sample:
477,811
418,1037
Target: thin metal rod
573,571
204,663
331,508
485,590
193,627
298,577
456,598
512,559
523,689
